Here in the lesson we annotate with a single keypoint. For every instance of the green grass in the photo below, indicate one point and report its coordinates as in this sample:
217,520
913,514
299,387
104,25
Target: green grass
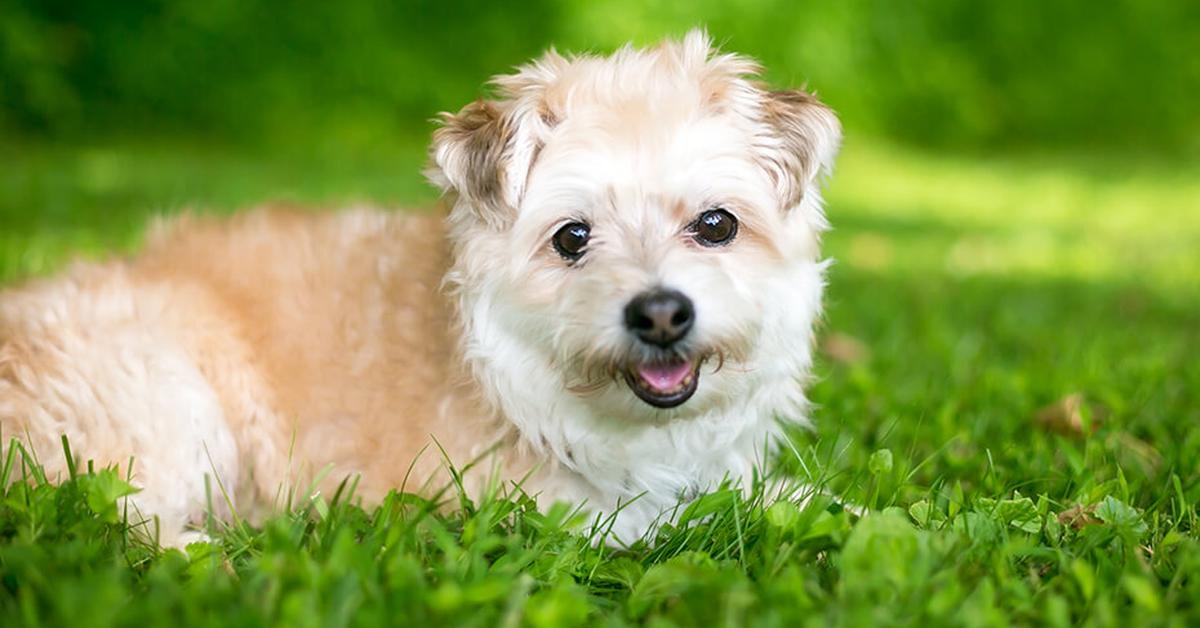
968,295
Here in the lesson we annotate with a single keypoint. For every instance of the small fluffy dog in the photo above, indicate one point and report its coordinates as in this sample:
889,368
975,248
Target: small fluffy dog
617,310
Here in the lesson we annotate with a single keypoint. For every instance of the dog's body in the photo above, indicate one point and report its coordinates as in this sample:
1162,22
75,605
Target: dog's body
618,305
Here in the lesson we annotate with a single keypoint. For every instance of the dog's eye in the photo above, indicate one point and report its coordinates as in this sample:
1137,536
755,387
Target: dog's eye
715,227
571,239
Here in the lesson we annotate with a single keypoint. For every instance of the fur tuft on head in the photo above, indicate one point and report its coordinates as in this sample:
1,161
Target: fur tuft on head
484,153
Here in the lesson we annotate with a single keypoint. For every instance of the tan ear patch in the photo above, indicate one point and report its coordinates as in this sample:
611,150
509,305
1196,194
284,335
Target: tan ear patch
470,150
810,135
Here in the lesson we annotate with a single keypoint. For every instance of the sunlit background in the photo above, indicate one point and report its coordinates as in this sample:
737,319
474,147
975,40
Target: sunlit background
1016,209
1053,137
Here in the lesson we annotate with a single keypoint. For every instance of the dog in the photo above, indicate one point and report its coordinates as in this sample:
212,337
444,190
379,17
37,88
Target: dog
615,308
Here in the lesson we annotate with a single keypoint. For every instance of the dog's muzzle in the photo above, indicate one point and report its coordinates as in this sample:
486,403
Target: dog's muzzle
661,318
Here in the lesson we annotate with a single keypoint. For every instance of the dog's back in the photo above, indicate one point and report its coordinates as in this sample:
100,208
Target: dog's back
261,348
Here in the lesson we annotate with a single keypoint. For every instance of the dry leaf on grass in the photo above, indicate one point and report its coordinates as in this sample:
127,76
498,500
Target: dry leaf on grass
845,349
1066,416
1078,516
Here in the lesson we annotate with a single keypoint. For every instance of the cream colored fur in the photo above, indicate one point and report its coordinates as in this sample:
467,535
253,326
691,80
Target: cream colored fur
262,349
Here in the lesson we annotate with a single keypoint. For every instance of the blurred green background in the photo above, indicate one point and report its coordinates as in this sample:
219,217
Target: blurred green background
357,74
367,75
1016,138
113,111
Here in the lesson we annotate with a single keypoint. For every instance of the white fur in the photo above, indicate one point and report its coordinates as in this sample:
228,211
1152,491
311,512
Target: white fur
528,319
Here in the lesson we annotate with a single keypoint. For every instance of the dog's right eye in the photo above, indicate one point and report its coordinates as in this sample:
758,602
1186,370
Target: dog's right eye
571,239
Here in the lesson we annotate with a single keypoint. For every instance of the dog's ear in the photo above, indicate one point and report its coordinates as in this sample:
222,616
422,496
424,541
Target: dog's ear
483,154
809,136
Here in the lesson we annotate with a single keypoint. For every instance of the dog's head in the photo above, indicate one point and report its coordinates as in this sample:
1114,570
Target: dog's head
645,225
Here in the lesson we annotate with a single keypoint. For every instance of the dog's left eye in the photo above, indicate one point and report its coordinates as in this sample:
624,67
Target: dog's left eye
715,227
571,239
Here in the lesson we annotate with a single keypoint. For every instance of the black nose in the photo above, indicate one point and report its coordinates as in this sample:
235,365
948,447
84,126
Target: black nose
660,316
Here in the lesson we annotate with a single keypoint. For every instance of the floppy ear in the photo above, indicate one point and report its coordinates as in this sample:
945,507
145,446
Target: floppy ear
483,154
809,136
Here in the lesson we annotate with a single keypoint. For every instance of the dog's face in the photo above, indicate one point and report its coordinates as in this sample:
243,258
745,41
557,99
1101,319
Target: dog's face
641,219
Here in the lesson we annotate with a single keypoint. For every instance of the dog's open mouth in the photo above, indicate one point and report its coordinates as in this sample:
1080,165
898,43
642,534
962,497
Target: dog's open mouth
664,384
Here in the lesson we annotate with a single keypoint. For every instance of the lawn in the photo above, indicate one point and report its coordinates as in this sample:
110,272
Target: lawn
1008,382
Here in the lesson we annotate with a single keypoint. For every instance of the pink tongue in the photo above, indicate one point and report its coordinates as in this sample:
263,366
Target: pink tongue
664,377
